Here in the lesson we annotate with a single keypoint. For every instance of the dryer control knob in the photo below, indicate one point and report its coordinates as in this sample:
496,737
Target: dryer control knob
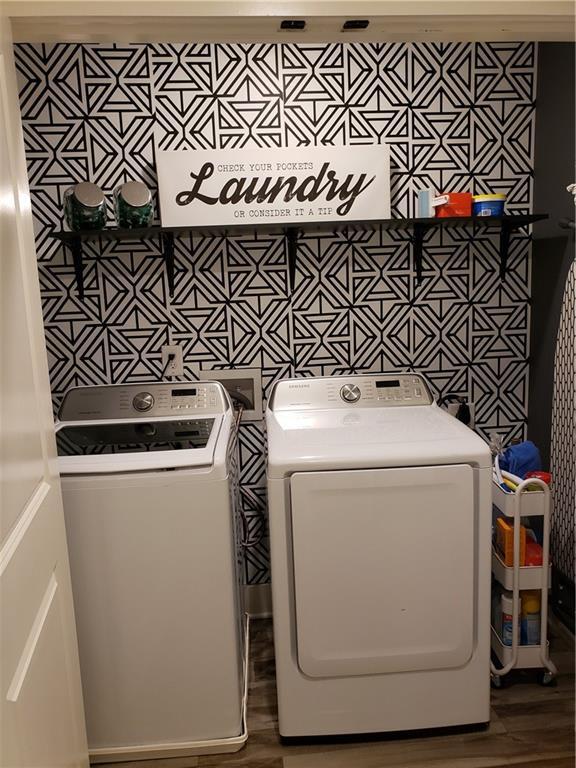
143,401
350,393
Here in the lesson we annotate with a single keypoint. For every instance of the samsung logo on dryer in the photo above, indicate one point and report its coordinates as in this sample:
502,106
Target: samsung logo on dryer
298,386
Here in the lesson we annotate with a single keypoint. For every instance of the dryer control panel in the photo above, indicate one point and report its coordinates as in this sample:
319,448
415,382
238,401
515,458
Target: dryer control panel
132,401
365,391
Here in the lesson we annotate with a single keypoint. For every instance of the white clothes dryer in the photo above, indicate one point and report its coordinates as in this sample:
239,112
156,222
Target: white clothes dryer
149,480
380,526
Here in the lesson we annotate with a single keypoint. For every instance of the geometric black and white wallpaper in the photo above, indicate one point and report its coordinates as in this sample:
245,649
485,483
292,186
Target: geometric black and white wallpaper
563,448
457,117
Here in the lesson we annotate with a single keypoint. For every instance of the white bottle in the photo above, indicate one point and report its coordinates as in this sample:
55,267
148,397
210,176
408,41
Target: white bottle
502,619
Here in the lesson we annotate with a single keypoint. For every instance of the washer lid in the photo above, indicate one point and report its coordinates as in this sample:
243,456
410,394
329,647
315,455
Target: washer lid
127,446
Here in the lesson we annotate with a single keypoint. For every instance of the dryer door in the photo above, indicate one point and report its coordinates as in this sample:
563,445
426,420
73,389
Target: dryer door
383,569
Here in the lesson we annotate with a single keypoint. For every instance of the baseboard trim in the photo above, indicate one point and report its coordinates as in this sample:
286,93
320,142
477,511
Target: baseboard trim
258,600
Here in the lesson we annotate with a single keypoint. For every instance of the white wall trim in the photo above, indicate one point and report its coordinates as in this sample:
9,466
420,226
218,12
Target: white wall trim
213,21
523,8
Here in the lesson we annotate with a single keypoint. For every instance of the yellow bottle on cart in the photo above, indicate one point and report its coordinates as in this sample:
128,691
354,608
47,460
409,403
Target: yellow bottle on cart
530,606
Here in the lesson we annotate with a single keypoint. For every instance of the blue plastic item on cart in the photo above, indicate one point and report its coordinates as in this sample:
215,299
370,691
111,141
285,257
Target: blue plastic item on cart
521,458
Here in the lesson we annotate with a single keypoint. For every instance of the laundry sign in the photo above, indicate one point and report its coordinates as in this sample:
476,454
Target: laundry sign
258,186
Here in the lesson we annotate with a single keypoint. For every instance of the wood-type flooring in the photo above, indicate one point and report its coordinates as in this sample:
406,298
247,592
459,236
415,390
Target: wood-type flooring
531,727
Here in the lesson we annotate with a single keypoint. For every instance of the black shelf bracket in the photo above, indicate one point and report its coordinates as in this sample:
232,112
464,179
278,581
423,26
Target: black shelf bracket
417,247
505,231
291,236
168,249
75,245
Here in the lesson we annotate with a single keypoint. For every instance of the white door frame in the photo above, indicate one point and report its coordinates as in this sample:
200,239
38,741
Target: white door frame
41,709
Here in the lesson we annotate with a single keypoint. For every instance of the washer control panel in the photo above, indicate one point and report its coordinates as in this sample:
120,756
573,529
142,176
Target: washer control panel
130,401
365,391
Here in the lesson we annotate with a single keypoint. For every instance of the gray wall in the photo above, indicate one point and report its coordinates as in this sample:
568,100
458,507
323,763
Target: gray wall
553,247
552,256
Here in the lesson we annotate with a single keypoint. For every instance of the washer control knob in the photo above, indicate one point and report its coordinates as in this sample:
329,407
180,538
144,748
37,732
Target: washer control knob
143,401
350,393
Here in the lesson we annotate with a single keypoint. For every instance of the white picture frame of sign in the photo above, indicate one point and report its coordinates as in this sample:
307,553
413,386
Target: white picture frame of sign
273,186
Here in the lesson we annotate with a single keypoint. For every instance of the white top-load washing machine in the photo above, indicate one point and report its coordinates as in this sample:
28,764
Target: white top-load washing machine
380,522
149,479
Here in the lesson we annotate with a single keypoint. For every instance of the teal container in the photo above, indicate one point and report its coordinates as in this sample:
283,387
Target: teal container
133,205
84,207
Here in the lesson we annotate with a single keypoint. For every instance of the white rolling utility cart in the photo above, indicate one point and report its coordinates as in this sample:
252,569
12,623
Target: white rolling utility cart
517,505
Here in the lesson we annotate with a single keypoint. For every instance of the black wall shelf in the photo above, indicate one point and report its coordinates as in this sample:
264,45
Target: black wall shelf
418,228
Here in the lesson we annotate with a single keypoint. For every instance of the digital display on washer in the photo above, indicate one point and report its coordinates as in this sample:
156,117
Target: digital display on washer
390,383
184,393
133,438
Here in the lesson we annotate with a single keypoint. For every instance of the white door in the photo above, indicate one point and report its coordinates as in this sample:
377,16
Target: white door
41,712
383,569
